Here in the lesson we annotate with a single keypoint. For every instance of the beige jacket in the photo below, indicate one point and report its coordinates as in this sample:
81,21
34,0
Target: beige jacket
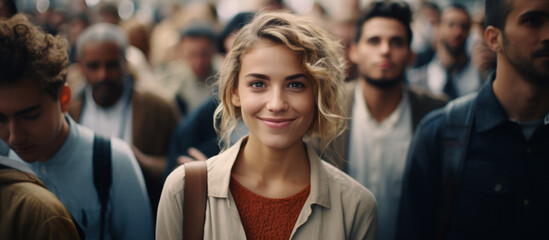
338,207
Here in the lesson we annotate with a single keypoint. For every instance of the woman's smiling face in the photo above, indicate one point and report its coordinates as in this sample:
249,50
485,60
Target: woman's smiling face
275,97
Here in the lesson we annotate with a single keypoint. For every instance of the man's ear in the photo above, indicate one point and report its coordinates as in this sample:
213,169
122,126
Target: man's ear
65,97
235,98
493,38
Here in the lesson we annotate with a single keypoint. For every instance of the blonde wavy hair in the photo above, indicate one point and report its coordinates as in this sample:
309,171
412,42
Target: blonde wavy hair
26,52
322,59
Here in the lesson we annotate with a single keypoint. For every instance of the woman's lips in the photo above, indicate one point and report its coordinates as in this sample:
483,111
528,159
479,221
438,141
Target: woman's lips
277,123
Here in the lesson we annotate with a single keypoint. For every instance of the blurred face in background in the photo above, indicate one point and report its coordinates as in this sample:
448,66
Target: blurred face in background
105,68
382,52
77,26
430,14
345,32
198,52
4,11
453,30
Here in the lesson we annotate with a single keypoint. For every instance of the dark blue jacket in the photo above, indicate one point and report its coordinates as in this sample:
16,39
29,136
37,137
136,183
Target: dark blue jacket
504,186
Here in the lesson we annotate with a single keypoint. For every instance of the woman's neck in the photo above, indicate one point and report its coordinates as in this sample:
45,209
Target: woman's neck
272,172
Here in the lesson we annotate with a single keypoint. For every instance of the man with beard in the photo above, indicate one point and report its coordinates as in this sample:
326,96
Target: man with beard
450,72
383,112
112,105
478,168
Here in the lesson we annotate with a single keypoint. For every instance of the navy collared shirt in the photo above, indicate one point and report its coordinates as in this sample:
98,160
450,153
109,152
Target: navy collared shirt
504,190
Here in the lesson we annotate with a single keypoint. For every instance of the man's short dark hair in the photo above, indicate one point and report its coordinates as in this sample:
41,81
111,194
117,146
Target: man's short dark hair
496,12
199,29
236,23
431,5
399,11
459,7
27,53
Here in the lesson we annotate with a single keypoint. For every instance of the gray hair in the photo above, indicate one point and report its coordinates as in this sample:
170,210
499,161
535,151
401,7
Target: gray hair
102,32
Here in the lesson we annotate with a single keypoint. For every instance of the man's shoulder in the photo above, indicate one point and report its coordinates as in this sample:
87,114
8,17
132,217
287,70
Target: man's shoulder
121,151
432,121
423,97
455,112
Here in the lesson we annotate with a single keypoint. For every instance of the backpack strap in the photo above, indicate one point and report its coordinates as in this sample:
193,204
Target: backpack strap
194,201
459,115
102,175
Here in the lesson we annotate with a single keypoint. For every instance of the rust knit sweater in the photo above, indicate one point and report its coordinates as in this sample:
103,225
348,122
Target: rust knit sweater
267,218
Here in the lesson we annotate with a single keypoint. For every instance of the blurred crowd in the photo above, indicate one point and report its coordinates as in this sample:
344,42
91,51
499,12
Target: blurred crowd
152,84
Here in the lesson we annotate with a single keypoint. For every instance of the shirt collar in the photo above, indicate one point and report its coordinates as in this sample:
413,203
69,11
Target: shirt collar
15,164
220,166
489,112
360,110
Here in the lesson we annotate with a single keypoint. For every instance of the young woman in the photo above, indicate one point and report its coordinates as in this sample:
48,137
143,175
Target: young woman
283,77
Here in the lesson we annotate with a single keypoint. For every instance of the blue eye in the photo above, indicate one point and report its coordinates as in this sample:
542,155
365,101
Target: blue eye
257,84
296,85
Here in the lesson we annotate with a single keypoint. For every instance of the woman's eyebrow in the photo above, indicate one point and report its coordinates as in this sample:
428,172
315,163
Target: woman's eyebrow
258,75
295,76
265,77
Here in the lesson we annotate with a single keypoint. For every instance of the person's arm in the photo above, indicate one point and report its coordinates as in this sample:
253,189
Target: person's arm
169,224
153,166
132,216
196,131
421,190
194,155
